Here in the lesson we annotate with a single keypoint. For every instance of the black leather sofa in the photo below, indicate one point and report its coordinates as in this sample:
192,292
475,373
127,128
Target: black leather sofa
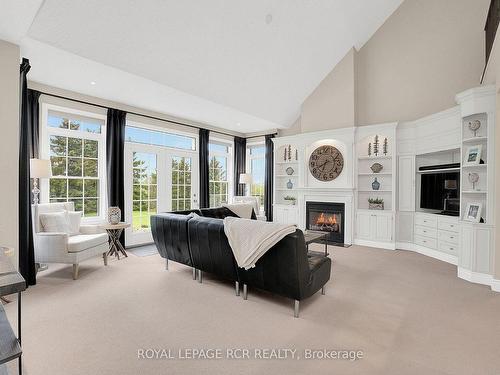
200,242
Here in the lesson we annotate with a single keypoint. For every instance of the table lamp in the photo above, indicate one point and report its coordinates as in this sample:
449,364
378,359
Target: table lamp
39,168
246,179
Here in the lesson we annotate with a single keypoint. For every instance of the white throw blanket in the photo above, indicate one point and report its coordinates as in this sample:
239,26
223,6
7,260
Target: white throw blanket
250,239
243,210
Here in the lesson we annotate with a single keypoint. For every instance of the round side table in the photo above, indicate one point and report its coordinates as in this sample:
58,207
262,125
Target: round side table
114,233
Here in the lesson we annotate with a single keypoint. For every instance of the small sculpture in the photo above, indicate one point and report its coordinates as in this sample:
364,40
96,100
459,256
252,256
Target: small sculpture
376,167
375,184
375,146
370,149
289,152
289,171
474,126
385,146
473,179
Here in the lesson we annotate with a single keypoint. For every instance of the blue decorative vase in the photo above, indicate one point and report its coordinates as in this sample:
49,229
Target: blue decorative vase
375,184
289,184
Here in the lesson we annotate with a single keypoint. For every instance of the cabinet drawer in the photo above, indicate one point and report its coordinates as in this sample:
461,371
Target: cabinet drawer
425,231
448,248
449,226
446,236
426,221
425,241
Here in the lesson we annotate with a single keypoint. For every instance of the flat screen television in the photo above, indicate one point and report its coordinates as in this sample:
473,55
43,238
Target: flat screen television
436,187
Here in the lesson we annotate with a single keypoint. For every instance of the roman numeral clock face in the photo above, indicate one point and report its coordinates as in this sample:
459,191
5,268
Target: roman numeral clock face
326,163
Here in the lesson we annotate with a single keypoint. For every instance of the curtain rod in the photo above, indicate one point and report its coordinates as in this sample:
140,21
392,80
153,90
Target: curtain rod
143,115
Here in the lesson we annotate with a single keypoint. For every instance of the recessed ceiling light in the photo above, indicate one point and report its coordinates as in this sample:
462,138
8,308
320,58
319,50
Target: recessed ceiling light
92,83
269,18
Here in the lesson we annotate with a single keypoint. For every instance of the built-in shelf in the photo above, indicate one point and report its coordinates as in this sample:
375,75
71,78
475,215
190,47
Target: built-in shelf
287,175
287,162
474,192
375,157
374,191
284,189
375,174
475,139
439,170
475,166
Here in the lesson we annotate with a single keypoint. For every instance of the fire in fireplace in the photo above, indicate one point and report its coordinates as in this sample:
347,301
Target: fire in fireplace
326,217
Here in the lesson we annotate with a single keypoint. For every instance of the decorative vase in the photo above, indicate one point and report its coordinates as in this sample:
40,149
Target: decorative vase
376,167
376,206
474,126
289,171
114,215
289,184
375,184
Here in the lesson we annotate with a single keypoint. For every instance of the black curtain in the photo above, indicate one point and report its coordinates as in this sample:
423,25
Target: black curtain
240,158
268,179
28,148
204,161
115,160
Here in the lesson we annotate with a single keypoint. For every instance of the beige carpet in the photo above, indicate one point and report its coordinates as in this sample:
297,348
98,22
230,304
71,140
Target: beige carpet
408,313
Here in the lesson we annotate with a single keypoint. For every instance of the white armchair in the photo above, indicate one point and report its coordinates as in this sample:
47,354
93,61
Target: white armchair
254,201
58,247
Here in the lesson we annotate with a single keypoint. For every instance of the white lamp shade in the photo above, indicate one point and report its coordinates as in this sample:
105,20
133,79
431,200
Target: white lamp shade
245,178
40,168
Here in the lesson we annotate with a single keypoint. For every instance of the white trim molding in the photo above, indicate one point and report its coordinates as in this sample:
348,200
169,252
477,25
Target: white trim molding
479,278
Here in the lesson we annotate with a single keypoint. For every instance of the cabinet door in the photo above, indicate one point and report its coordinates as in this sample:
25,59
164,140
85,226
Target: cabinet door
383,228
363,225
292,216
278,215
406,183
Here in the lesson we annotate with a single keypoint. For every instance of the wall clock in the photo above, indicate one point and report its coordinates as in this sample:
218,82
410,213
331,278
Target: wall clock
326,163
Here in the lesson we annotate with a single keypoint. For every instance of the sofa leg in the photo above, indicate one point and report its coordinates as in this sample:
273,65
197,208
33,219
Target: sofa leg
296,309
237,288
200,276
105,258
323,290
245,292
75,271
166,264
194,273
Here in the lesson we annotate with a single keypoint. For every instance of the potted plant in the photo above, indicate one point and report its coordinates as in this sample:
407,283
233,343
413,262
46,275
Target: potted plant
376,203
290,200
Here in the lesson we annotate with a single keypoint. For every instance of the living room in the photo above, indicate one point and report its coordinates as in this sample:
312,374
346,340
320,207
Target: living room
249,187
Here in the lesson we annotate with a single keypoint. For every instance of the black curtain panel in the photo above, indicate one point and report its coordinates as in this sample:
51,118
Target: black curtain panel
28,148
268,179
204,162
115,160
240,158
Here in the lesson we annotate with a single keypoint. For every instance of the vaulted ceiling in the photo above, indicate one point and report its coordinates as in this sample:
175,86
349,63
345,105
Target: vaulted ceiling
238,64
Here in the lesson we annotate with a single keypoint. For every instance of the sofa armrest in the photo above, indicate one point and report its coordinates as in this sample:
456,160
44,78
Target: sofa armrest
91,229
50,244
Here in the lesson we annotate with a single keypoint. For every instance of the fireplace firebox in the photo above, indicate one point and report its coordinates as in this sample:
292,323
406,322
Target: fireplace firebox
326,217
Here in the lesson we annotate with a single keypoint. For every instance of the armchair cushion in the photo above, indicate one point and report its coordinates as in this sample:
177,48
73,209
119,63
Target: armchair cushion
85,241
54,222
74,218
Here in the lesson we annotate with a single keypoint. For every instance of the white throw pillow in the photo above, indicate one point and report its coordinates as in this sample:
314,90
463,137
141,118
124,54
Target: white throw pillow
54,222
74,221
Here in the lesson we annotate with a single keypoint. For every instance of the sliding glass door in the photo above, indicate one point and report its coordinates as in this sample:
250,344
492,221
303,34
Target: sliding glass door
156,180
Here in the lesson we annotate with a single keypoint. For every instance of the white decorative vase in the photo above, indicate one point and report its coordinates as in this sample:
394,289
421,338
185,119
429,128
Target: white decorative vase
114,215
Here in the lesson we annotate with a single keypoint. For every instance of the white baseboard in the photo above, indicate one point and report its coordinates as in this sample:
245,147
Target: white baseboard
479,278
405,246
452,259
380,245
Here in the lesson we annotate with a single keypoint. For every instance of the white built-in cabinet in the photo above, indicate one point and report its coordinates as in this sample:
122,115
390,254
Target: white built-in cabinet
406,183
286,214
375,228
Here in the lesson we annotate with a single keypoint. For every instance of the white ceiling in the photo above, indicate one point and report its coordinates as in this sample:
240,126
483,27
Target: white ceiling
216,61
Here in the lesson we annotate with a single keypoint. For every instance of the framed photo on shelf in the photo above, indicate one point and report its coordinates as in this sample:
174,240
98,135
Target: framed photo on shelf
473,155
473,212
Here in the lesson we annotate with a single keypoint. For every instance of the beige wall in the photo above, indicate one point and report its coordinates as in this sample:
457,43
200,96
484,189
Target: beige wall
332,104
418,60
9,143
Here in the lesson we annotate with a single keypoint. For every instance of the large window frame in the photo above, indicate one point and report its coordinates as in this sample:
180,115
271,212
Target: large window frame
253,157
216,200
46,132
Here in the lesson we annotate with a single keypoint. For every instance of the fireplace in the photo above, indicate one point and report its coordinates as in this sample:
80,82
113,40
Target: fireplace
326,217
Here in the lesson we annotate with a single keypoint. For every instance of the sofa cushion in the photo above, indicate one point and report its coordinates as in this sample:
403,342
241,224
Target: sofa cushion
54,222
86,241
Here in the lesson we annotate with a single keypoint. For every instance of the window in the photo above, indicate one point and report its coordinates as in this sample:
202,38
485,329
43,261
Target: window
256,166
181,183
159,138
144,190
219,172
75,149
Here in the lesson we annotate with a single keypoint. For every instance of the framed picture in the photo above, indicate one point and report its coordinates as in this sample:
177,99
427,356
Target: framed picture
473,212
473,155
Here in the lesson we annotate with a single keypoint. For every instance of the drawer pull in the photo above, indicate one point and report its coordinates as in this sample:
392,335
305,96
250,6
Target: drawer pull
424,241
452,226
452,237
451,248
425,231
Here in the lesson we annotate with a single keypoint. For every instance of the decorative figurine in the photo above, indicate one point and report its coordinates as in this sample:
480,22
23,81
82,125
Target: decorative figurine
474,126
376,167
375,146
473,179
385,146
370,149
